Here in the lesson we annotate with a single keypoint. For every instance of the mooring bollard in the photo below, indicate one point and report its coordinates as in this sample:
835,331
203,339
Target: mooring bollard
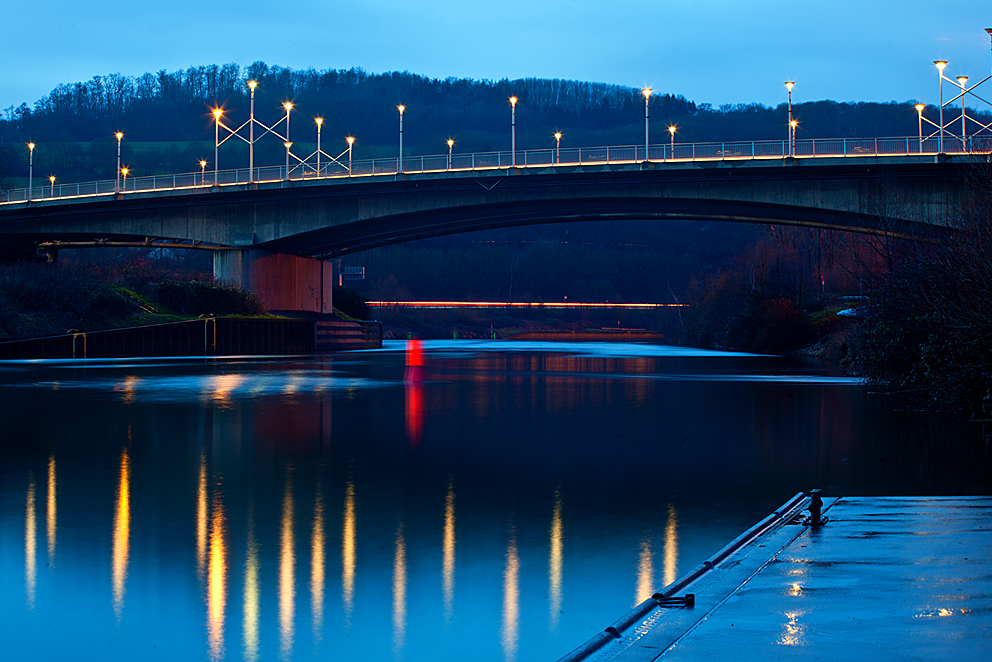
815,509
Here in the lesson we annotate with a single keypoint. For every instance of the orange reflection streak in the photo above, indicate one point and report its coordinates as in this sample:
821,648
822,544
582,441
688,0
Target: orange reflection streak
520,304
317,556
201,518
30,545
348,553
122,533
645,573
221,387
448,567
287,568
511,601
671,545
130,382
399,593
250,625
216,582
52,518
555,562
414,413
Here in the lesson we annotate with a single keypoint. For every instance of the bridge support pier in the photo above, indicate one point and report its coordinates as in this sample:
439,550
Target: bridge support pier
283,282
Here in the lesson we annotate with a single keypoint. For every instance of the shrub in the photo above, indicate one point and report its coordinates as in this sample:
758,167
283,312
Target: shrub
196,297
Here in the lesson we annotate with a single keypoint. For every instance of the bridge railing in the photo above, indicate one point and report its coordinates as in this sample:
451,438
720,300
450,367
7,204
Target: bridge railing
539,158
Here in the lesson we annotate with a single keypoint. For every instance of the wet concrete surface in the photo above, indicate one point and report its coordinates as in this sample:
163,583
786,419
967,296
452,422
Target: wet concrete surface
885,579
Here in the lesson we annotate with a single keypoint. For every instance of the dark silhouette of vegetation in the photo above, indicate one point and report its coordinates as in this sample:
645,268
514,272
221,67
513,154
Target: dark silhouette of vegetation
351,303
197,297
927,330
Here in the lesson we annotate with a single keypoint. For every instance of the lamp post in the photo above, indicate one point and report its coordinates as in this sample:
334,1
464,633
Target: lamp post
203,169
647,97
288,145
451,145
119,136
217,113
789,84
940,73
320,123
558,147
792,136
351,141
962,80
672,129
124,172
30,169
51,178
513,131
251,132
399,167
919,112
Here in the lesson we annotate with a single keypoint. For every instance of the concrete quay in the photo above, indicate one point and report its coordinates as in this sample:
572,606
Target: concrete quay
885,578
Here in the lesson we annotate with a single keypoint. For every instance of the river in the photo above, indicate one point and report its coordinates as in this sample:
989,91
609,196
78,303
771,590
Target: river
517,501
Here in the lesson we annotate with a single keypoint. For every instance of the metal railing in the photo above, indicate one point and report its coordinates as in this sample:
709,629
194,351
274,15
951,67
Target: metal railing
525,159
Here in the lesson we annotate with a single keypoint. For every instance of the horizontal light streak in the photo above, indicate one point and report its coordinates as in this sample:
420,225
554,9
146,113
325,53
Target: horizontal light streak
520,304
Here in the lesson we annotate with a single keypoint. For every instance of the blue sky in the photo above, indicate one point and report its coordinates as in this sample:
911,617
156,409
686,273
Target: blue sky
715,51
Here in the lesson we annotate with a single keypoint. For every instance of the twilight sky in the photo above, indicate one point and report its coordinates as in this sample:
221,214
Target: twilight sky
716,51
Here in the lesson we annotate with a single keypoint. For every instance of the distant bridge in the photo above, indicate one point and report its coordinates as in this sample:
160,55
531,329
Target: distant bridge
895,186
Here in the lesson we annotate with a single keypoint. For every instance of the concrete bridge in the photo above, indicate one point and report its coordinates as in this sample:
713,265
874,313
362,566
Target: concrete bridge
273,236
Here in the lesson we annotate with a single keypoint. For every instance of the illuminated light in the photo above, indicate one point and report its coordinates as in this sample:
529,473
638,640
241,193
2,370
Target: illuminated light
251,593
940,64
319,120
511,602
287,145
671,545
555,562
646,92
217,113
672,129
448,546
30,546
31,146
119,136
350,140
318,553
348,554
287,569
401,109
124,171
558,136
52,512
399,593
962,80
789,84
252,84
288,106
216,582
794,124
450,142
645,573
919,107
122,533
513,101
519,304
201,517
51,178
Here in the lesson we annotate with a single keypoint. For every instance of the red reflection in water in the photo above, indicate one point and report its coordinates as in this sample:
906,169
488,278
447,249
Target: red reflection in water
414,413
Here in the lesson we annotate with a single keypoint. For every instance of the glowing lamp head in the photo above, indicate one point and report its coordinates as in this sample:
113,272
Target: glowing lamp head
793,124
962,80
203,163
51,178
451,143
217,113
31,147
119,136
351,141
288,106
790,84
124,171
252,84
558,135
513,101
672,129
401,109
940,64
646,92
919,107
319,120
288,145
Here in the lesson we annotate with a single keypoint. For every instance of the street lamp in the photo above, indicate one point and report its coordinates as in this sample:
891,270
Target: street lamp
451,145
203,168
671,130
789,84
217,113
320,123
51,178
961,81
647,97
919,111
288,145
558,147
119,136
124,172
940,73
792,133
251,132
351,141
399,168
30,169
513,131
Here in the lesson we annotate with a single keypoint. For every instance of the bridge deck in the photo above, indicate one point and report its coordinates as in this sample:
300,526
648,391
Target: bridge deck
884,579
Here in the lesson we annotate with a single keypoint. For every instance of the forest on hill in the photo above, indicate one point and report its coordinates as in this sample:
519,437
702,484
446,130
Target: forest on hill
168,126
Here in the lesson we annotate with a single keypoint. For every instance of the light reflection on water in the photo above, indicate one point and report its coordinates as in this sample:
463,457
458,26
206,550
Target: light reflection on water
567,478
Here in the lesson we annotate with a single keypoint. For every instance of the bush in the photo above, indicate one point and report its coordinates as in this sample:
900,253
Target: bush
351,303
195,297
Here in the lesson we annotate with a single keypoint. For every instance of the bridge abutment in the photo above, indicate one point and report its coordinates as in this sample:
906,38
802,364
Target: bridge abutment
283,282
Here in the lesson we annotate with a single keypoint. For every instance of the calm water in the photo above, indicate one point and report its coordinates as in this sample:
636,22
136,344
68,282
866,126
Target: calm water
517,502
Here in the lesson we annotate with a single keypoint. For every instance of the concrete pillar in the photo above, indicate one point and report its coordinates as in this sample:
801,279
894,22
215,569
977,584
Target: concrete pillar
283,282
